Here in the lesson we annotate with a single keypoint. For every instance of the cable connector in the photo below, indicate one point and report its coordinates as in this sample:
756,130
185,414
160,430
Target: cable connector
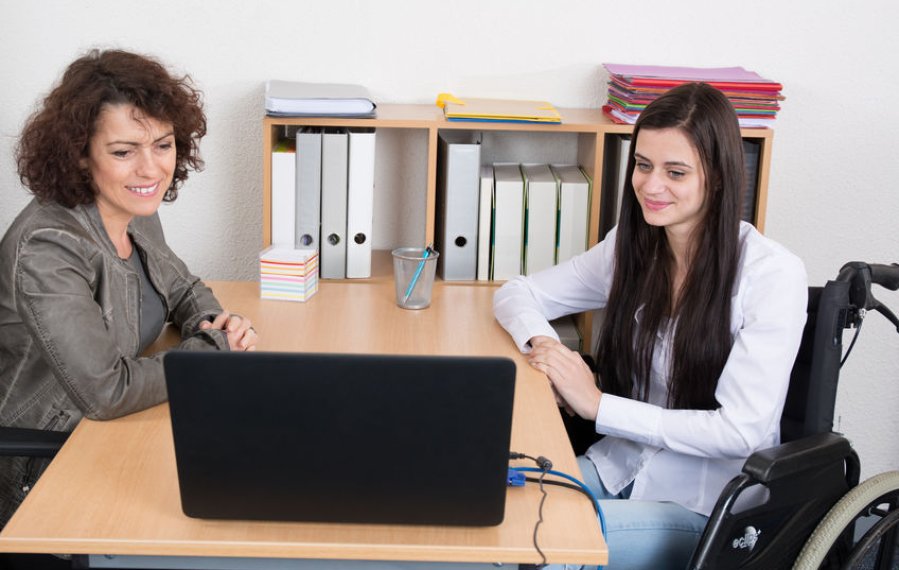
542,462
516,478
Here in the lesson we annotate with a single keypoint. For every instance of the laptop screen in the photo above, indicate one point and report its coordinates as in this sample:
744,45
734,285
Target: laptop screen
341,437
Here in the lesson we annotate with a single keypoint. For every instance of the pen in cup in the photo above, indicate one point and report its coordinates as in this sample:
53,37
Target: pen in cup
421,265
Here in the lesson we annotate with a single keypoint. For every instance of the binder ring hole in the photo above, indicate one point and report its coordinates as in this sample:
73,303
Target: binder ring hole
334,239
461,241
306,239
359,238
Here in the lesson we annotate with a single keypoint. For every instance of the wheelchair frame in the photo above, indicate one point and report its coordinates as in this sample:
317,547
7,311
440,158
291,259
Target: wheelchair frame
814,500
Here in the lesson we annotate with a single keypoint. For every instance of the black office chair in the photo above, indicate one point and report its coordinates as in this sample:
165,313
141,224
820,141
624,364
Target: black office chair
24,442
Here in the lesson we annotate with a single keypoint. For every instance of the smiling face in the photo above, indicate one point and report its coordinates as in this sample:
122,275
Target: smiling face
669,180
131,160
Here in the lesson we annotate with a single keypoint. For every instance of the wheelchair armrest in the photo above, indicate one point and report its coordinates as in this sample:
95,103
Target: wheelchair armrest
24,442
812,452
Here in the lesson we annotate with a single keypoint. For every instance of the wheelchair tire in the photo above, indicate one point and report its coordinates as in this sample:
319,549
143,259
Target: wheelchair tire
853,505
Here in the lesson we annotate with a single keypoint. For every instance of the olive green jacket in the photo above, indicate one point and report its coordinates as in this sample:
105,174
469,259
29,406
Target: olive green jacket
69,326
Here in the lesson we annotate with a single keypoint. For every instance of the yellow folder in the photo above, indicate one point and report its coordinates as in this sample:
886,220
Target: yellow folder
497,110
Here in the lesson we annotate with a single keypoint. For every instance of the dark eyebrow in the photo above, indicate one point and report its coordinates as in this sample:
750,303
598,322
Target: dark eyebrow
132,143
669,163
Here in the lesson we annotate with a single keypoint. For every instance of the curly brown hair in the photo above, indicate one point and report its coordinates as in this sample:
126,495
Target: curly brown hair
57,136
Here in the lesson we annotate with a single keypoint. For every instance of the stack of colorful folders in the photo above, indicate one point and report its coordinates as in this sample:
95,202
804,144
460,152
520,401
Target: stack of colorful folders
633,87
288,274
497,110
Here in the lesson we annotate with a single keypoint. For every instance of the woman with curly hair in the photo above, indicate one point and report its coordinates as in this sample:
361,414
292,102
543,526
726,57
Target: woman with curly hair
87,281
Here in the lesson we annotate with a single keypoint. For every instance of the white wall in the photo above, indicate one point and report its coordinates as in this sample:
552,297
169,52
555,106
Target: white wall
833,193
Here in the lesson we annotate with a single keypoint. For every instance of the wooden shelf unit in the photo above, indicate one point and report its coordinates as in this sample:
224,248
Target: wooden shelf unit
591,127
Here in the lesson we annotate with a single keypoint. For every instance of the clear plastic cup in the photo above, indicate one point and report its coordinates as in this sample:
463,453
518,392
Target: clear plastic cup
414,276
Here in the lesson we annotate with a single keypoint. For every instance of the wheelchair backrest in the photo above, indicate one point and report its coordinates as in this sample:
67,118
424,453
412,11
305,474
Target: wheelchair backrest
813,382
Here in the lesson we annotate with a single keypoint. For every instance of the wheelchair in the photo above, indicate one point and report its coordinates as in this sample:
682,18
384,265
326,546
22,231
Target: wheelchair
813,503
812,506
815,507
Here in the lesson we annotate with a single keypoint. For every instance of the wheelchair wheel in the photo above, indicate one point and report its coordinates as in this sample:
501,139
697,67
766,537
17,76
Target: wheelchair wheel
831,544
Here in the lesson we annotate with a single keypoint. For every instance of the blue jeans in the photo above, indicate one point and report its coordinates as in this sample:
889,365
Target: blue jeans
642,534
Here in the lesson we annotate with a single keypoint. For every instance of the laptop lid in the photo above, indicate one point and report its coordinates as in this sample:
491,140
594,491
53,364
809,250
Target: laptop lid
350,438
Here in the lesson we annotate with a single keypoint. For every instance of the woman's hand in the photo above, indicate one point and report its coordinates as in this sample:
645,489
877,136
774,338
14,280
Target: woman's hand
241,334
572,381
534,342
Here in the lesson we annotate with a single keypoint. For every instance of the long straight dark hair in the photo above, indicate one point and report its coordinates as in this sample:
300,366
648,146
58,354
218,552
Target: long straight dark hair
642,281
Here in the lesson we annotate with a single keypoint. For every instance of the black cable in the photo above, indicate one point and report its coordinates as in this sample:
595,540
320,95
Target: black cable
851,344
544,465
540,520
563,484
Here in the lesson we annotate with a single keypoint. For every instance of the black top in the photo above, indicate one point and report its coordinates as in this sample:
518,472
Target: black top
152,311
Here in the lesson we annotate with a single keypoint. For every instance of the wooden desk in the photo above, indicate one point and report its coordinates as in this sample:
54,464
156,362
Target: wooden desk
113,488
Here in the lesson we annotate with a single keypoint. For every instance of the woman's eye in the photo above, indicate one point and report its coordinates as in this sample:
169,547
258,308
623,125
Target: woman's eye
166,146
120,153
643,167
675,174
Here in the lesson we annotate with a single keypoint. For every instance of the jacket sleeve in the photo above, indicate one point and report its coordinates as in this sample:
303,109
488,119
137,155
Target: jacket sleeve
525,305
55,279
771,311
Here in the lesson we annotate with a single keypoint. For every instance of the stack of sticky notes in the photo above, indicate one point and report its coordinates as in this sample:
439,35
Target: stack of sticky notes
288,274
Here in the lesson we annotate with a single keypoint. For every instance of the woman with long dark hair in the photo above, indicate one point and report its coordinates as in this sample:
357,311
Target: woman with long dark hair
703,318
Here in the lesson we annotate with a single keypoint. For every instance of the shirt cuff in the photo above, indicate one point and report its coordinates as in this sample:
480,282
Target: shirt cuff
630,419
525,331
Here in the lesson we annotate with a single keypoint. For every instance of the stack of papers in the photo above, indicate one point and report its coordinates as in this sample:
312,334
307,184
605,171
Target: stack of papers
497,110
632,87
288,274
296,99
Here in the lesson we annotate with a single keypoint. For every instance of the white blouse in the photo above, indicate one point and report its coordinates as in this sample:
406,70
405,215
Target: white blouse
684,456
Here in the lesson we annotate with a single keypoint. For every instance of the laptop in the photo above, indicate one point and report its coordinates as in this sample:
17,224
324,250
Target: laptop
349,438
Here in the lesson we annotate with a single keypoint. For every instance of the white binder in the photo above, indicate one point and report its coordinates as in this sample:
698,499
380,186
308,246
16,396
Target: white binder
458,189
508,221
574,211
541,208
485,223
332,259
283,193
309,189
360,203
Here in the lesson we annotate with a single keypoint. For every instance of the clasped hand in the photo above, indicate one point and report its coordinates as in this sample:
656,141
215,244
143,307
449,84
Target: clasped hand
241,334
573,384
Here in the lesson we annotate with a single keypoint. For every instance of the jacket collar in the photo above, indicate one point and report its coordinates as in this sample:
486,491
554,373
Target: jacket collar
89,217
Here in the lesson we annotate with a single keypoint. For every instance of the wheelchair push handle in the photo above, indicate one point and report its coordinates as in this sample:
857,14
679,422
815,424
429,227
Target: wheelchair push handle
885,275
860,276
